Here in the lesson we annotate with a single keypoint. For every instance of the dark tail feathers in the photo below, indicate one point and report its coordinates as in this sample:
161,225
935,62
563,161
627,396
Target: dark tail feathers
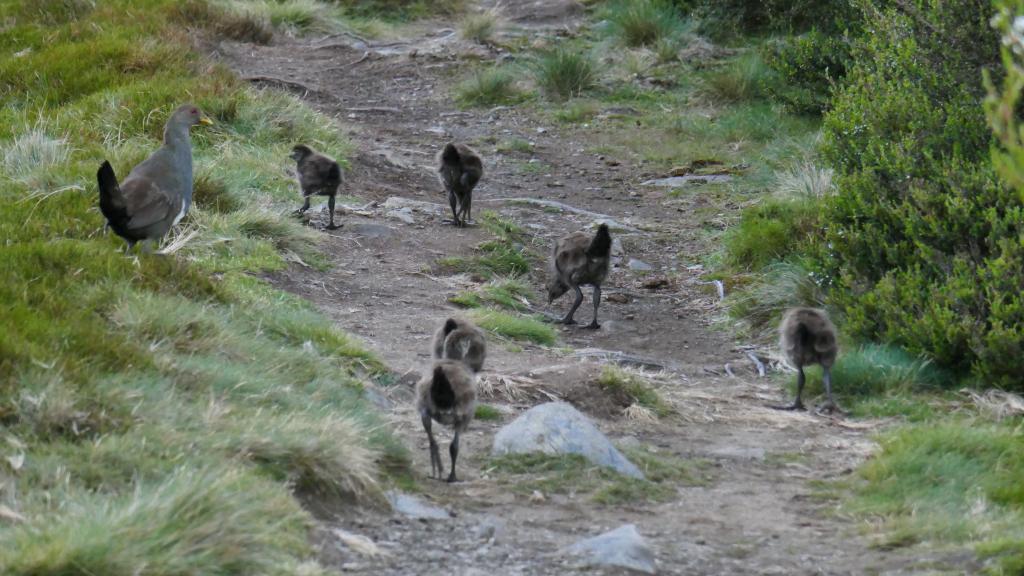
601,245
450,155
450,325
111,200
441,393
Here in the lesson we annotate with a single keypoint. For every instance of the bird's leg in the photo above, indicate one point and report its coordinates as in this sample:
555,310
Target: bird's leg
468,207
435,452
579,300
798,404
453,451
597,302
305,205
455,214
830,406
330,206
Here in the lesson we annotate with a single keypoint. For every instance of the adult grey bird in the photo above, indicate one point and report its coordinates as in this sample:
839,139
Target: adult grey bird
158,191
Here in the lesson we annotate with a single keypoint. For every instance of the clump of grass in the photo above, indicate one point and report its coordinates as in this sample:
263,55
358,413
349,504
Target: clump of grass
479,27
487,413
496,258
577,112
742,79
780,286
956,481
572,473
565,72
879,370
32,156
515,145
644,22
615,379
489,87
514,327
509,293
212,521
317,455
253,19
805,181
770,233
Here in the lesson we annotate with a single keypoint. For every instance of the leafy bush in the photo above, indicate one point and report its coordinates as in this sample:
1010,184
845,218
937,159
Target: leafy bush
724,17
808,67
924,240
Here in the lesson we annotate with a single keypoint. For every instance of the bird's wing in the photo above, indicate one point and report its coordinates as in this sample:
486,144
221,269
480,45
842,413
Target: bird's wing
147,204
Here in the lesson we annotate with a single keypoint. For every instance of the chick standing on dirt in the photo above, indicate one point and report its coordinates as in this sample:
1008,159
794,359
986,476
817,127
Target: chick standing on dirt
459,168
319,175
807,336
459,339
447,396
576,260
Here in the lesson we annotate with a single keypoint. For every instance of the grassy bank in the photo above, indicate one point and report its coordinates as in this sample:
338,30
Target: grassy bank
161,415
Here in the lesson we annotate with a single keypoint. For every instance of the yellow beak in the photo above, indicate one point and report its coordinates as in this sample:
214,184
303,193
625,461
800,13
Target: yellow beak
205,121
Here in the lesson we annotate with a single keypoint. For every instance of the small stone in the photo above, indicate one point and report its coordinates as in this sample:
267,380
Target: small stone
403,214
639,265
618,298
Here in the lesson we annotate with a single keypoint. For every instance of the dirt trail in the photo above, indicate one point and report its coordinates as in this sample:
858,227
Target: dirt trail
755,515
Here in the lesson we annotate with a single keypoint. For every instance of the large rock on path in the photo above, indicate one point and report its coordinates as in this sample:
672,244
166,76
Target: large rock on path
558,428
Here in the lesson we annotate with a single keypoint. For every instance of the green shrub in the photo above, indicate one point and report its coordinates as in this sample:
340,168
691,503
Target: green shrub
924,240
564,72
808,66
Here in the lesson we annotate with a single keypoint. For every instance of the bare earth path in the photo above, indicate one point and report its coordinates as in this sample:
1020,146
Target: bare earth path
755,513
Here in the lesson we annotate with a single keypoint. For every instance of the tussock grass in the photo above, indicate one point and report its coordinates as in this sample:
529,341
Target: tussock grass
644,22
565,72
490,87
742,79
876,374
577,112
508,293
615,379
956,481
770,233
195,521
165,406
780,286
514,327
805,181
480,27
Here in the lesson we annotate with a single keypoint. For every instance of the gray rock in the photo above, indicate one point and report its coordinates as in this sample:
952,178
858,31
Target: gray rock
639,265
403,214
413,507
623,547
397,203
558,428
677,181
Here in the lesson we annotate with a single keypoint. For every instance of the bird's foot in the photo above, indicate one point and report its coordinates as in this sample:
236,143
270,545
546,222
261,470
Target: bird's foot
593,325
831,409
452,479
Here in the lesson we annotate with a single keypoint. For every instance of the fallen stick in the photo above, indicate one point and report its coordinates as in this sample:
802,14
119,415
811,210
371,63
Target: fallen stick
757,362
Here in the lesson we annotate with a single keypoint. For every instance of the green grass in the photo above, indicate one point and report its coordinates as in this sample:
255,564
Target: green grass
742,79
644,22
565,72
507,293
879,373
514,326
957,482
574,474
491,86
487,413
615,379
577,112
505,256
479,27
168,408
515,145
781,285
